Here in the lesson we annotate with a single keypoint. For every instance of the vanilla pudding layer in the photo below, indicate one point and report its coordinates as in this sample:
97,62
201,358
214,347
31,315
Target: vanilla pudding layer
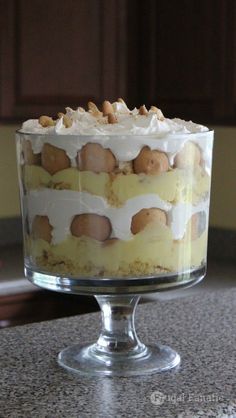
156,249
176,185
152,251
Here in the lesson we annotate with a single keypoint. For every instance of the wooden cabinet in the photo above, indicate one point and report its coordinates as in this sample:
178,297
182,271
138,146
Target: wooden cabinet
185,59
41,305
178,55
56,53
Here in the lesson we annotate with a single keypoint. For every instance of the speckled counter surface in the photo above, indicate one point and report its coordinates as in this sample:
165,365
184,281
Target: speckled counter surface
200,327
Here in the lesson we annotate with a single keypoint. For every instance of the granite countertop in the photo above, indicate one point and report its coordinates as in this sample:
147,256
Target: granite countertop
200,327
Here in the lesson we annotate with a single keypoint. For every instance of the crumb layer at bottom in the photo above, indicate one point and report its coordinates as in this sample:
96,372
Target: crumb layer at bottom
145,255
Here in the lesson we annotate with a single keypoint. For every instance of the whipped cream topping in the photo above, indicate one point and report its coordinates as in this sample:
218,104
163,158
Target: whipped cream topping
125,138
129,122
61,206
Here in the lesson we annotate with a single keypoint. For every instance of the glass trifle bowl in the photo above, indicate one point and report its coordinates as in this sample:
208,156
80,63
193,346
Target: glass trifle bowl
115,203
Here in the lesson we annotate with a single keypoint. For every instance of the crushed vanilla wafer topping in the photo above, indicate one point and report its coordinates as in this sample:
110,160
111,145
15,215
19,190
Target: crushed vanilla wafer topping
93,109
111,119
46,121
66,120
143,110
107,108
109,113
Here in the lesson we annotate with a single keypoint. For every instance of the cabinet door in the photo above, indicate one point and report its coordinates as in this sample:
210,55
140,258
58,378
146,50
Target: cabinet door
230,61
42,305
55,54
183,57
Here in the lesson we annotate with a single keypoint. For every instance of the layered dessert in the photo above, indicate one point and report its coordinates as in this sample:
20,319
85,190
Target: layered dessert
114,192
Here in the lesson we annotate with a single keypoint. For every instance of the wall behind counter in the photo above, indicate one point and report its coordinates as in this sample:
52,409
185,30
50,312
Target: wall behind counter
9,195
223,197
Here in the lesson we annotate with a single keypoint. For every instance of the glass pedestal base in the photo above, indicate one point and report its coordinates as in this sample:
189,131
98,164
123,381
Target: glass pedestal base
118,350
87,361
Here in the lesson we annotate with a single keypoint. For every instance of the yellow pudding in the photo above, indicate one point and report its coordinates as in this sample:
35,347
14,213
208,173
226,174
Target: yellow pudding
96,184
173,186
151,250
35,177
